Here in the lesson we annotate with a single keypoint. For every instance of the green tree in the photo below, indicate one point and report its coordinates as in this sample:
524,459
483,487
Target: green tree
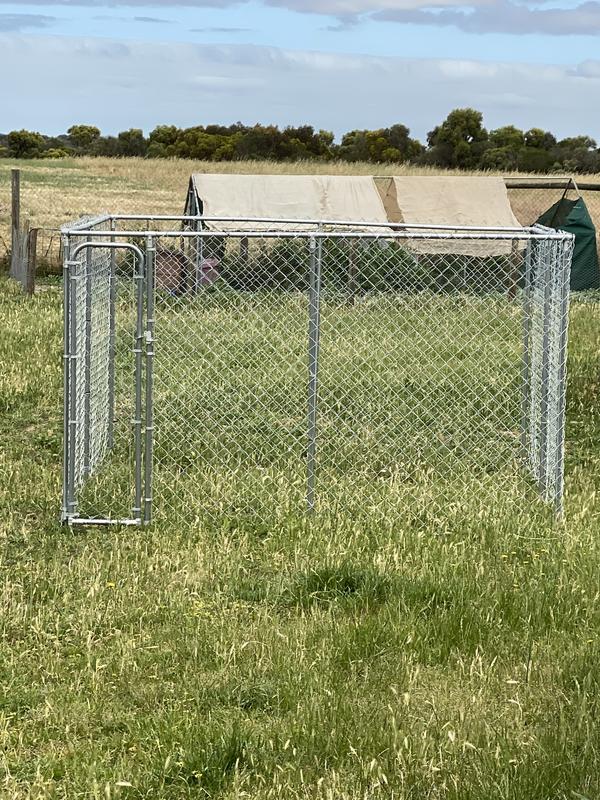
162,141
501,159
459,141
535,159
83,137
508,136
539,139
578,154
379,146
504,146
25,144
56,152
132,143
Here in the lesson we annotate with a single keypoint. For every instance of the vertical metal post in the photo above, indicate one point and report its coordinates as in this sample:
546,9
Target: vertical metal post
87,421
547,271
566,253
526,356
73,432
15,252
199,257
314,332
112,339
31,261
137,422
66,375
150,328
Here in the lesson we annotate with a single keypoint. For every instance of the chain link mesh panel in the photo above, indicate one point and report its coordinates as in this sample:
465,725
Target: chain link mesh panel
104,350
545,354
390,373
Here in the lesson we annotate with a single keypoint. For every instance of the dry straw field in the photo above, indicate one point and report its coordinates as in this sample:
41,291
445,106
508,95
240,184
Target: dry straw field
59,191
55,192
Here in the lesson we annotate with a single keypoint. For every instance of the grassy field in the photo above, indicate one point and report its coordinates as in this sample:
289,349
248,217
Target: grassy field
352,657
339,660
58,191
412,416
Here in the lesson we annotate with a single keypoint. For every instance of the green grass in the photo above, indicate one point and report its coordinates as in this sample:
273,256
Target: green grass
338,659
419,407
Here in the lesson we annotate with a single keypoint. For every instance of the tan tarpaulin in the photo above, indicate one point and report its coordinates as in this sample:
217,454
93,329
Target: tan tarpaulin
450,200
310,197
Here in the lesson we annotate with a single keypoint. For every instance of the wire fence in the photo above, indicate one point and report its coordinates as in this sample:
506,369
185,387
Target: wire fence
248,376
529,199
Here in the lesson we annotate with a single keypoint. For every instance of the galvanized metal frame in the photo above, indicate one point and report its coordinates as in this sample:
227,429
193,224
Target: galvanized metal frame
72,251
526,371
564,297
314,330
546,240
149,410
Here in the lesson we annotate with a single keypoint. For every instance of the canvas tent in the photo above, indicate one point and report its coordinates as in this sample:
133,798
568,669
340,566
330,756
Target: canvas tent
573,216
452,201
284,197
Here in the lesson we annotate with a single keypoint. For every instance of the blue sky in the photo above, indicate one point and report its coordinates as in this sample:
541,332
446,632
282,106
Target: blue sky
336,64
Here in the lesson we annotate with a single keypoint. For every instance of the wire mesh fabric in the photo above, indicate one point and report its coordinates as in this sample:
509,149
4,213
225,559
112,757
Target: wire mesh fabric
102,332
393,372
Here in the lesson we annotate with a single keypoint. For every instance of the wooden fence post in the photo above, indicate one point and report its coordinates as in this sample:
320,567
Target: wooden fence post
15,255
29,284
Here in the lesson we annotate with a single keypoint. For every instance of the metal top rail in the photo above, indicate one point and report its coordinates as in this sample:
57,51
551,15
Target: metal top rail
543,182
316,222
388,230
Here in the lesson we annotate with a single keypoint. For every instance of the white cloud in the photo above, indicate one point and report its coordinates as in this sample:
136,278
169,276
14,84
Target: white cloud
23,22
472,16
587,69
463,70
503,16
117,86
225,83
337,8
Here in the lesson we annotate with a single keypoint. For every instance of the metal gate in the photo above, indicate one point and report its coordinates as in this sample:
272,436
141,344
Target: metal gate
244,372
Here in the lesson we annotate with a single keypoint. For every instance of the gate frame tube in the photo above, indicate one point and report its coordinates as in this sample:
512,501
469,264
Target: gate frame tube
70,517
526,355
545,377
87,403
565,296
149,412
66,375
314,335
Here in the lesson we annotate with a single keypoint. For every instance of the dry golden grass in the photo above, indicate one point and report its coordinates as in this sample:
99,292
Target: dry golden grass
55,192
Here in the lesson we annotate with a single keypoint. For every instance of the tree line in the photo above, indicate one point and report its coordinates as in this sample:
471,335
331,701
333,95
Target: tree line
461,141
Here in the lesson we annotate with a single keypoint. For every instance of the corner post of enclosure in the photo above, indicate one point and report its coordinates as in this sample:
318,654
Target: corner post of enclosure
138,350
87,415
565,250
547,271
71,271
314,333
66,376
150,328
526,353
112,339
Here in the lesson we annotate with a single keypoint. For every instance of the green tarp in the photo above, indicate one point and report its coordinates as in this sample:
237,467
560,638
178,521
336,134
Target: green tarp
573,216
